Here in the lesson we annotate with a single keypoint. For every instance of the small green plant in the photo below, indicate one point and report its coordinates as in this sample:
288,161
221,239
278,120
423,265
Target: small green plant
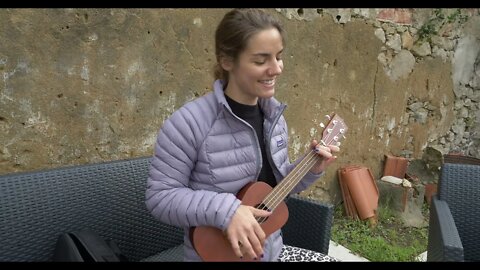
439,18
389,241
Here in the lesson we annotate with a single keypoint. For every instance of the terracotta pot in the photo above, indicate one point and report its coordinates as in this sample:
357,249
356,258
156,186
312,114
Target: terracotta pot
459,158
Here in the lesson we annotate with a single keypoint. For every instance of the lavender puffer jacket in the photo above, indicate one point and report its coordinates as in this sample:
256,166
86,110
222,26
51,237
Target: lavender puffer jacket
204,155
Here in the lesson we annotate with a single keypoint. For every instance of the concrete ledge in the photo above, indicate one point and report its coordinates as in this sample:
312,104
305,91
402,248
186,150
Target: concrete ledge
343,254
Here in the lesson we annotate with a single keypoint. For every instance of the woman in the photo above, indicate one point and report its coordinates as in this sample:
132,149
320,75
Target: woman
216,144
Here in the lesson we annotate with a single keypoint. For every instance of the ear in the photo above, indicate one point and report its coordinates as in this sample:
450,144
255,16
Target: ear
227,63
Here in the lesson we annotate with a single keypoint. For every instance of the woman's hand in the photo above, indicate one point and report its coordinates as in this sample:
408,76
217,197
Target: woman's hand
325,152
244,232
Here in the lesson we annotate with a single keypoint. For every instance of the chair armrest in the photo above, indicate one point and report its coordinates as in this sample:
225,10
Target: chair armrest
309,224
444,243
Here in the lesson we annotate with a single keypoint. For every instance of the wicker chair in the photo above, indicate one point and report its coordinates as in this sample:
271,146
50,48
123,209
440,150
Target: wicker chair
454,225
109,198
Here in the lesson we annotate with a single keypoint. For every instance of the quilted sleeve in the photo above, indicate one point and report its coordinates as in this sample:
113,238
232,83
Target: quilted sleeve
168,196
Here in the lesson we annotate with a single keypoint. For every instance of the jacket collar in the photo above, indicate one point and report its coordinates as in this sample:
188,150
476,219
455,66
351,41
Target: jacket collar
270,106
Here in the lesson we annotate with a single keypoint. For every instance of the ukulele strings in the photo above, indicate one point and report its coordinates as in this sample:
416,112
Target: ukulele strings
305,165
302,169
272,201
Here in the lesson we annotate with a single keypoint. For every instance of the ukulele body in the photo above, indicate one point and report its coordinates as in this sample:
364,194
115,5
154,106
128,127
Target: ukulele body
212,244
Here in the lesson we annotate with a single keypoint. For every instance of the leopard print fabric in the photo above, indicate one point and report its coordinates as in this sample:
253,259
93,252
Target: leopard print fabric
295,254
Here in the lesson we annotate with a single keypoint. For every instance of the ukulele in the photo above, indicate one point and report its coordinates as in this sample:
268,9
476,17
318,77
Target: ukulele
212,244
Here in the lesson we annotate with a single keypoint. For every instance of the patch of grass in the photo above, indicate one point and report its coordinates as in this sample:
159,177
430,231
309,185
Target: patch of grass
389,241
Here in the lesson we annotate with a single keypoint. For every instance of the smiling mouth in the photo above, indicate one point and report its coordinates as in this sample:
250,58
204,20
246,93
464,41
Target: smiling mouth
268,82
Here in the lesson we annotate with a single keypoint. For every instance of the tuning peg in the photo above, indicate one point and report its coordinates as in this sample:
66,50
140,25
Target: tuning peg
328,117
342,130
334,122
322,125
329,130
339,143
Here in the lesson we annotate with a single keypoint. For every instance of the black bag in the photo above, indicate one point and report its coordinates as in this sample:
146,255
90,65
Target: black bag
86,246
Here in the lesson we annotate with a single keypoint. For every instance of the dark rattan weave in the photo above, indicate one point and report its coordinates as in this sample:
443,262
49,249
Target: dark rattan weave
455,215
109,198
309,224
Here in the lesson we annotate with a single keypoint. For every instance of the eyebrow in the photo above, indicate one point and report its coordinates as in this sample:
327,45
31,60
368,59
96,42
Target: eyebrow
265,54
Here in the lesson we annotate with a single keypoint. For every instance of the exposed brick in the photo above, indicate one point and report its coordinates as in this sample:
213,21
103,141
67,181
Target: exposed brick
396,15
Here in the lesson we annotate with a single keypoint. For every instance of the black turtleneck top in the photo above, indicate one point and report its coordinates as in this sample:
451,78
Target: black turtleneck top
253,115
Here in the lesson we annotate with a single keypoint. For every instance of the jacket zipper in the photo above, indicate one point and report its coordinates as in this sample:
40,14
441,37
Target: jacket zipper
269,156
269,137
255,139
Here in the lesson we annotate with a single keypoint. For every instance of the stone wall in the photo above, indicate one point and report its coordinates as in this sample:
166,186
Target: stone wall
91,85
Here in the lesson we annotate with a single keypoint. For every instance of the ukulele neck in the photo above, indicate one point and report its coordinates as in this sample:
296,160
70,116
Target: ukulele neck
281,191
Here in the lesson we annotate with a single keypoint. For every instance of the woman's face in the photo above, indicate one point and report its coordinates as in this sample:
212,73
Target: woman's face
254,73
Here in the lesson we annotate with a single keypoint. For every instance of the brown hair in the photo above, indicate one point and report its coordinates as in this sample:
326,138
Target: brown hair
234,31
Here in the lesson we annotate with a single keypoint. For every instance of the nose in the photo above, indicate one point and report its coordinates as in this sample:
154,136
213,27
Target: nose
275,68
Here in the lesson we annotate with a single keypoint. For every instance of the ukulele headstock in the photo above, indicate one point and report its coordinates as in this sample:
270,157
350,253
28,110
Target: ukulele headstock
334,131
